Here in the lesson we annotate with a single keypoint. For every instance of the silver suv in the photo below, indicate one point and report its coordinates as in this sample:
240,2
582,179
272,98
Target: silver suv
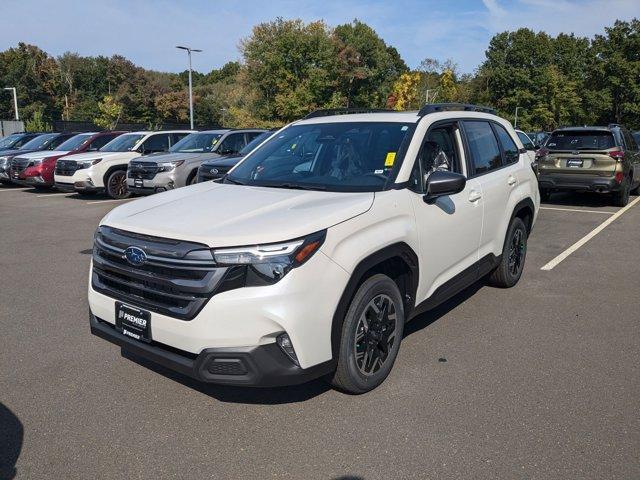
179,167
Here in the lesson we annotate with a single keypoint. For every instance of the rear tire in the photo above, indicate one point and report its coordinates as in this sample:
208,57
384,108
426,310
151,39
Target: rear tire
116,186
621,197
514,253
371,336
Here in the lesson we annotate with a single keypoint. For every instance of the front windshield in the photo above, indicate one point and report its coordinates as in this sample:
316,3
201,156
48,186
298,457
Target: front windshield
341,156
123,143
74,142
10,140
40,142
196,143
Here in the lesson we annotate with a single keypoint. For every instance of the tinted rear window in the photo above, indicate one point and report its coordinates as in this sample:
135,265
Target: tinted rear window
587,140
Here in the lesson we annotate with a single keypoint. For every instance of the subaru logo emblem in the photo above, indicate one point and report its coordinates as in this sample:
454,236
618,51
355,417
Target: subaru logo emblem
135,256
214,171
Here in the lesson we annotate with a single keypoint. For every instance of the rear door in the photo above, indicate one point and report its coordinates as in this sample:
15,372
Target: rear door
580,152
494,159
158,142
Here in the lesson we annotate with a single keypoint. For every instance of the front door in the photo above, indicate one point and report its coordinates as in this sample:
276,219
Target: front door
448,230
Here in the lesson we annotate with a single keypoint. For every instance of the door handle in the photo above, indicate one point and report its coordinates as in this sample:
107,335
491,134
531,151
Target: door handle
511,181
474,196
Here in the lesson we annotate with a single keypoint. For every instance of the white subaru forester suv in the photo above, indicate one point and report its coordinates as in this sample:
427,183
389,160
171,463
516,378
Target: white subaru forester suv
312,253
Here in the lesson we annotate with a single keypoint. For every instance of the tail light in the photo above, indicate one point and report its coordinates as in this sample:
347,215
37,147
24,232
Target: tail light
619,177
543,152
617,154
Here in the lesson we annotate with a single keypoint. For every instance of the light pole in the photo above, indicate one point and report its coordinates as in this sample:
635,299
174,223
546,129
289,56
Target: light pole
189,50
15,101
515,123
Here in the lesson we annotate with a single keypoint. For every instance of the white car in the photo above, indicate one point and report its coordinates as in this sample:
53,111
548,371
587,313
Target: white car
313,252
106,169
528,145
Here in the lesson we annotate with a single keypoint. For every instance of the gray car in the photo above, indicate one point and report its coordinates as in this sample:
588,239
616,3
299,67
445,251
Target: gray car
179,167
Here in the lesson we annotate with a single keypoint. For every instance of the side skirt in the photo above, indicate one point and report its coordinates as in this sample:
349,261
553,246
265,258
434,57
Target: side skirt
458,283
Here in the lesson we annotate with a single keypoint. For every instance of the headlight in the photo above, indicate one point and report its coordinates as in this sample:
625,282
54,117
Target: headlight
267,264
4,160
89,163
168,166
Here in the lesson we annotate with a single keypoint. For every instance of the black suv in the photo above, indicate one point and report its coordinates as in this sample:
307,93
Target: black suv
597,159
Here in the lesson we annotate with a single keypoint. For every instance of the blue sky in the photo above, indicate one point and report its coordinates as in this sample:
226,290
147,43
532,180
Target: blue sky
147,31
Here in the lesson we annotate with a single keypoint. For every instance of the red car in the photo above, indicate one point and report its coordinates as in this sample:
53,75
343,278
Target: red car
36,168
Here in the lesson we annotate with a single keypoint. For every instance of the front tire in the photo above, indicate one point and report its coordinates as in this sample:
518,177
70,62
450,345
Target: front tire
371,336
514,253
116,186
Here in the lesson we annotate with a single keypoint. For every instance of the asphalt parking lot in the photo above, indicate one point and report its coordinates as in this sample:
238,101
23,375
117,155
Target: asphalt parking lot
539,381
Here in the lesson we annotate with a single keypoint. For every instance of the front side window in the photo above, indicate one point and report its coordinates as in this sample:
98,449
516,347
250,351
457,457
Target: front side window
74,142
101,141
197,143
439,151
340,156
509,147
123,143
580,140
232,144
156,143
483,146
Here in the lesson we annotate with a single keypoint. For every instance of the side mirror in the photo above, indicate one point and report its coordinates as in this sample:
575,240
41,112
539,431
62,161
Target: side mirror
440,184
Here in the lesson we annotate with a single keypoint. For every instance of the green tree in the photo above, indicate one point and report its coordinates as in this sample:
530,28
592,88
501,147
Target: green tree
110,113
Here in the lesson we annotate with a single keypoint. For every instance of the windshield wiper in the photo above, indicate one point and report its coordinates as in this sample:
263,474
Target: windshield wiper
296,186
230,180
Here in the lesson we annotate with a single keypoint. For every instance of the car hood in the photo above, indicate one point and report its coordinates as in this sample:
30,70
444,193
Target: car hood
223,161
14,152
81,157
44,154
222,215
169,157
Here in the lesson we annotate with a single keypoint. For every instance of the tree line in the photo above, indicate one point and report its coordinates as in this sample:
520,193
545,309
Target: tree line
289,67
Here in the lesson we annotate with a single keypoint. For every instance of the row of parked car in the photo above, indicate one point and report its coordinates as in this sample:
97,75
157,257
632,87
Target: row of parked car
121,163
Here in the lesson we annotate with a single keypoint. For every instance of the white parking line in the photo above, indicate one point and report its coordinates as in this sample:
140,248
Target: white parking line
52,194
556,261
109,201
13,190
576,210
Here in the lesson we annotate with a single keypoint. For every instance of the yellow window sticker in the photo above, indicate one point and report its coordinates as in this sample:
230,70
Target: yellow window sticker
391,157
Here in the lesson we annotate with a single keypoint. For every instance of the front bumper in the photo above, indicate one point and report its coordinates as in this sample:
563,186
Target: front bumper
80,187
259,366
161,182
550,181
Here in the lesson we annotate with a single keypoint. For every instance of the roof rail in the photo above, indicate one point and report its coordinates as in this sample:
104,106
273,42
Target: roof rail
442,107
612,125
328,112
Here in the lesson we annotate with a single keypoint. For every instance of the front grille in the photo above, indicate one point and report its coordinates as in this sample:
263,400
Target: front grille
177,279
19,165
142,170
67,168
208,173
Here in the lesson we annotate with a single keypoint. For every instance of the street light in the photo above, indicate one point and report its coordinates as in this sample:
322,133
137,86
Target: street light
189,50
15,100
515,123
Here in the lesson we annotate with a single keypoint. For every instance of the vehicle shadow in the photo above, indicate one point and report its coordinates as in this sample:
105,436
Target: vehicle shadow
583,199
248,395
427,318
295,393
11,437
